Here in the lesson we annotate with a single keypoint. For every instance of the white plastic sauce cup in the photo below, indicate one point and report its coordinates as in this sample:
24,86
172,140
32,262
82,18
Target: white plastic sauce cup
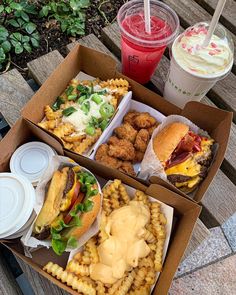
182,86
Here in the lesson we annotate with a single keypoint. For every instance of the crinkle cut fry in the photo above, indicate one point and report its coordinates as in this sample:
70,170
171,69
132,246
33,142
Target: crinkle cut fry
77,268
87,142
70,279
115,82
112,290
126,284
92,248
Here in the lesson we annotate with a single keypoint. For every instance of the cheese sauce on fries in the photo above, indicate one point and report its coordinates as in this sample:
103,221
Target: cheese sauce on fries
122,250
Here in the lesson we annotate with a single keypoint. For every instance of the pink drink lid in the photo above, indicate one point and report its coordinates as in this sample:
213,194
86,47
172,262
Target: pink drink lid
168,19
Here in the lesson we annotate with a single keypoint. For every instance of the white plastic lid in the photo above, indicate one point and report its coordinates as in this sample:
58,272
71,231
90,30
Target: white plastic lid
17,198
31,160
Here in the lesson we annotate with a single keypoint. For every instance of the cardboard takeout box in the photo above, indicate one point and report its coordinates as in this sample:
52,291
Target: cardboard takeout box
215,121
186,211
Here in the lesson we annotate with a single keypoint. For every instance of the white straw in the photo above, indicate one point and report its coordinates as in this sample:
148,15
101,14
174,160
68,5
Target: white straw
147,16
214,21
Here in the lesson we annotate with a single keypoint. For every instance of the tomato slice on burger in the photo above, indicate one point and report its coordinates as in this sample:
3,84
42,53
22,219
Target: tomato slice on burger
78,200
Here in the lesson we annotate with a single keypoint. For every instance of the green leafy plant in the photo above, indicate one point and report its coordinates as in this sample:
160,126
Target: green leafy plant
17,32
70,15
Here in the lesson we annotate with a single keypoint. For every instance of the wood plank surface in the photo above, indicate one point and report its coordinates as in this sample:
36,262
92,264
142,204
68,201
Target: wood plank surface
37,68
228,17
40,285
97,44
200,233
220,199
224,92
8,285
14,94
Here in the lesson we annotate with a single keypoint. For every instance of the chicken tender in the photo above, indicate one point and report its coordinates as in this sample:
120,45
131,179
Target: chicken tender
121,149
142,140
126,131
138,157
129,117
103,157
144,120
151,129
127,167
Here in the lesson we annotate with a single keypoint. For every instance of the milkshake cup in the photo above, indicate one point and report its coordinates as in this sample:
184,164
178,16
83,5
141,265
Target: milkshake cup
141,52
195,69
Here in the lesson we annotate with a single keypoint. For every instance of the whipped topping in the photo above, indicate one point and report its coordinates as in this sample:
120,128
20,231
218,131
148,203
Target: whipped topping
193,57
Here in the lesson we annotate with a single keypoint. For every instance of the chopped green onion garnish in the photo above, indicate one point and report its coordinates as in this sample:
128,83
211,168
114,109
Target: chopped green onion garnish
103,124
96,98
85,107
106,110
90,130
58,103
72,97
102,92
69,90
82,88
82,99
67,112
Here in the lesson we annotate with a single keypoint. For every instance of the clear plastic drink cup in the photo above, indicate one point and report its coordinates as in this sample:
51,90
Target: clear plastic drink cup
141,52
185,84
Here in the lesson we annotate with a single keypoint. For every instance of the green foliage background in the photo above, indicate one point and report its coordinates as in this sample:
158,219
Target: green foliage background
18,31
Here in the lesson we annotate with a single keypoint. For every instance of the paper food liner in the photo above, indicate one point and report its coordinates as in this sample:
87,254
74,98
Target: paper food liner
151,166
27,239
127,106
165,209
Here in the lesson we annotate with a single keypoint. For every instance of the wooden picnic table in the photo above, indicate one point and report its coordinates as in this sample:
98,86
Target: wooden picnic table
219,202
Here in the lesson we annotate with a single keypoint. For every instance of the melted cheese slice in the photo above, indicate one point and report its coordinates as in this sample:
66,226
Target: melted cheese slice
187,168
190,167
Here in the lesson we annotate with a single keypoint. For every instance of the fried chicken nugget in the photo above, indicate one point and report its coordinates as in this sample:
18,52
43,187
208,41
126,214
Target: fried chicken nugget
142,140
103,157
127,168
121,149
151,129
138,157
126,131
129,117
144,120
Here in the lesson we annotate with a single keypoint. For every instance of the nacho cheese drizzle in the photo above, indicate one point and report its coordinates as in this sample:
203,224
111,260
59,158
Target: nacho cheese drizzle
122,250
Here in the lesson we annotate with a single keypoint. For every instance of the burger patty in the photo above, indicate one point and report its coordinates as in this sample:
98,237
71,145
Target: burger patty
44,234
173,178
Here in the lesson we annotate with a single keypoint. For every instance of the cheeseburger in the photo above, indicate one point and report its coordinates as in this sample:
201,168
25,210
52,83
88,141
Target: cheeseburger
72,202
184,155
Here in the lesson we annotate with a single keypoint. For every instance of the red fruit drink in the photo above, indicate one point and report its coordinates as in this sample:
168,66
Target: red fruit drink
139,62
141,52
